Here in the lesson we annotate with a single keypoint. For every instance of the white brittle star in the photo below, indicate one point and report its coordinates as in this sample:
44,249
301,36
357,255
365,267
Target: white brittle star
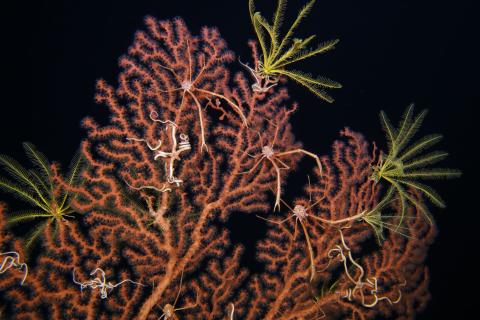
101,283
359,283
171,156
187,86
271,155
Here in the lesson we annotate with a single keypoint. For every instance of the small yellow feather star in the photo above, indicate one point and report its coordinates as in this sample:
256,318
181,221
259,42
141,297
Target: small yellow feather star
278,52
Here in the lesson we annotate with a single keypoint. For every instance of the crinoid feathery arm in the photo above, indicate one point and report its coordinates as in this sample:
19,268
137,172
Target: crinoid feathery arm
404,164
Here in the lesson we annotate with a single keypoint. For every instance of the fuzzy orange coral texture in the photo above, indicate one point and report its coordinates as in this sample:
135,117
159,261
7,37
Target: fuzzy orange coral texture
149,219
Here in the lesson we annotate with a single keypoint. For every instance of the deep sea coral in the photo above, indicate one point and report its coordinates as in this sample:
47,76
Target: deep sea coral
186,145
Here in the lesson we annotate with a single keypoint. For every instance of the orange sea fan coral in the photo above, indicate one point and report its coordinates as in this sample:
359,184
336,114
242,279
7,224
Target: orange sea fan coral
163,176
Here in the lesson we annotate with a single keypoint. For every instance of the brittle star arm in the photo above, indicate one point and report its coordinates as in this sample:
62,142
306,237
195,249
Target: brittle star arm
163,189
179,290
254,166
200,116
258,86
230,102
285,166
310,250
173,155
4,267
284,220
344,244
127,280
148,144
174,73
154,117
14,262
231,310
183,146
314,156
296,220
276,222
187,307
252,71
277,199
339,221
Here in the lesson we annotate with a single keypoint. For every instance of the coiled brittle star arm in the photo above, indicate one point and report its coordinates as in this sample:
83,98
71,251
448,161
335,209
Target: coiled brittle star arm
174,154
101,283
11,259
358,281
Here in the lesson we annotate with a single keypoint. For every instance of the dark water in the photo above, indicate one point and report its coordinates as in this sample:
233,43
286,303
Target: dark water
391,53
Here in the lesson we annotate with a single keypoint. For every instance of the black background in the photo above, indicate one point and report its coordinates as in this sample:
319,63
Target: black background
391,53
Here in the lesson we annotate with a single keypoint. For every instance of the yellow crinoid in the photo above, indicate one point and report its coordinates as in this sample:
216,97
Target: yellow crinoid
279,52
404,164
39,187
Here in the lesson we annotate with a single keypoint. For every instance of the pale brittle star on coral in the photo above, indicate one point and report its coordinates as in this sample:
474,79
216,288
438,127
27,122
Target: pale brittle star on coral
187,86
268,152
300,213
101,283
170,156
231,311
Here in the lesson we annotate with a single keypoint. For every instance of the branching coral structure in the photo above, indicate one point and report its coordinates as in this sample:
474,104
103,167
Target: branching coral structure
186,145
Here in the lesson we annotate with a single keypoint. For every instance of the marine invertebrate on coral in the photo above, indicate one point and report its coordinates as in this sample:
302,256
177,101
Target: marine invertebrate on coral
202,58
404,165
268,152
11,259
169,310
40,187
278,53
370,284
13,272
285,290
174,153
100,283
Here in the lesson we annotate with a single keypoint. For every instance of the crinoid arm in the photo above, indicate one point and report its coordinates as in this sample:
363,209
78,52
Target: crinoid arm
405,164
